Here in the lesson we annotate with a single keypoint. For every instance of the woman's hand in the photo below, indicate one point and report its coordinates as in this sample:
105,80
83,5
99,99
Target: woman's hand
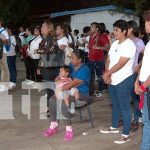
107,78
137,88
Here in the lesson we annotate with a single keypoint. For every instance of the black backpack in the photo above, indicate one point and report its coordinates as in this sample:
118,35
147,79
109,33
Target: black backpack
1,49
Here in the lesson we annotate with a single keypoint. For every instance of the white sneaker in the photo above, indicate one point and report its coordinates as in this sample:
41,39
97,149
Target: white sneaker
30,82
110,130
72,106
140,120
25,81
123,140
3,88
11,85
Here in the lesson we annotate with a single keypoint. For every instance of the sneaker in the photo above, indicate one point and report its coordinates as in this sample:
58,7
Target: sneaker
110,130
26,81
11,85
30,82
122,140
3,88
98,94
79,103
50,132
68,136
135,126
71,108
140,120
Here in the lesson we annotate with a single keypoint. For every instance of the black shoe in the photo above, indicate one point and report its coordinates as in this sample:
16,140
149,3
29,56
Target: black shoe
135,126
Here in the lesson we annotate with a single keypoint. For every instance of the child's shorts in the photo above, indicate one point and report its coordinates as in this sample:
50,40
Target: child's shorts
65,94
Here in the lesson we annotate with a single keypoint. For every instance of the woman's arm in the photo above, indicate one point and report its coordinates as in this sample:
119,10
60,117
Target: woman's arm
76,82
122,62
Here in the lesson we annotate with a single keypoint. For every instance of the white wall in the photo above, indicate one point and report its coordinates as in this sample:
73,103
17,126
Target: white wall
78,21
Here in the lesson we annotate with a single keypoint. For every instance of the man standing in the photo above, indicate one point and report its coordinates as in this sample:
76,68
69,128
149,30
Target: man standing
3,62
98,43
144,89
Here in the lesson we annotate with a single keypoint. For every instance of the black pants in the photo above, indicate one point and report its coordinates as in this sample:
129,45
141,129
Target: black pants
31,69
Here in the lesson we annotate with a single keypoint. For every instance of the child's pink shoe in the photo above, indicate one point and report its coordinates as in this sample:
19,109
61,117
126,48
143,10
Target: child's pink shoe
68,136
50,132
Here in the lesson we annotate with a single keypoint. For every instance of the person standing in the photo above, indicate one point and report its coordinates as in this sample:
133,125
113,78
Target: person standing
11,58
3,62
21,35
98,43
119,75
133,34
26,58
34,58
143,89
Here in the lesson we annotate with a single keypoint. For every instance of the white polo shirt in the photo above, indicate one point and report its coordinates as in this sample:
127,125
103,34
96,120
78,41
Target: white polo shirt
126,49
6,35
145,69
34,45
12,51
62,41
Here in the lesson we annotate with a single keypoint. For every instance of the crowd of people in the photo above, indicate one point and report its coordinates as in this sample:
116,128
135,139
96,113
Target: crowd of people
117,61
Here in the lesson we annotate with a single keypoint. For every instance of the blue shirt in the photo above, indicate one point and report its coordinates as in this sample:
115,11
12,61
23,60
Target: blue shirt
83,73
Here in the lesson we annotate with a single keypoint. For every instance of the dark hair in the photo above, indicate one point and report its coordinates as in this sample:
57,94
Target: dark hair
135,27
66,68
38,28
76,31
121,24
79,54
10,27
31,29
86,29
96,24
63,27
144,34
102,28
2,22
147,15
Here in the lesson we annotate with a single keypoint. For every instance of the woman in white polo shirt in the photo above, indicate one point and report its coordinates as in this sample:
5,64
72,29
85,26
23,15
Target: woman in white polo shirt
119,76
34,58
62,40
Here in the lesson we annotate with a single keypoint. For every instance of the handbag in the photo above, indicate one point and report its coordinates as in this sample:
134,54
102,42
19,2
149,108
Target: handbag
51,55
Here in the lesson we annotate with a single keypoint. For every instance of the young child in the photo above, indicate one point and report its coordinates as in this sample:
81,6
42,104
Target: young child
62,80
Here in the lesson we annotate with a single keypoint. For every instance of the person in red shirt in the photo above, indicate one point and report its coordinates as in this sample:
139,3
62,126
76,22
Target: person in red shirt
97,45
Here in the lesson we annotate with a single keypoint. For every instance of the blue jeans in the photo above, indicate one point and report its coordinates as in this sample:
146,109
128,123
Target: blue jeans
145,145
11,60
97,67
120,95
135,99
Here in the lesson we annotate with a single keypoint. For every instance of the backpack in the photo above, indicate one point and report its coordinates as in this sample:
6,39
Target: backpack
1,49
7,46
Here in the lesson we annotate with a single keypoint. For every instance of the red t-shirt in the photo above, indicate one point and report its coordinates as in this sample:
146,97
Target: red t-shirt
99,40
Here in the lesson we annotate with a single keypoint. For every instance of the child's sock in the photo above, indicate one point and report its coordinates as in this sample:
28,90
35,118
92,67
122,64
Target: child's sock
53,125
69,128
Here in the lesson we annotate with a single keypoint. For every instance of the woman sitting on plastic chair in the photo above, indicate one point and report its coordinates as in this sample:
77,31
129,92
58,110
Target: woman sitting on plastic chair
80,75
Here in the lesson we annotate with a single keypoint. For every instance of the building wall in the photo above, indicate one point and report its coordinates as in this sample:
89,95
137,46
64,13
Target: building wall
78,21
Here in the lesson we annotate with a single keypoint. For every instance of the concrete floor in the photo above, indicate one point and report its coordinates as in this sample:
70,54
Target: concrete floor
21,133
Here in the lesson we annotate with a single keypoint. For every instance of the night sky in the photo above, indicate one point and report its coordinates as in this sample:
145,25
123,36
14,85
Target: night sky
48,6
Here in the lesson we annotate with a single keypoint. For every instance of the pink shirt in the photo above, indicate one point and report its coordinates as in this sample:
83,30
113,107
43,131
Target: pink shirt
139,47
61,84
